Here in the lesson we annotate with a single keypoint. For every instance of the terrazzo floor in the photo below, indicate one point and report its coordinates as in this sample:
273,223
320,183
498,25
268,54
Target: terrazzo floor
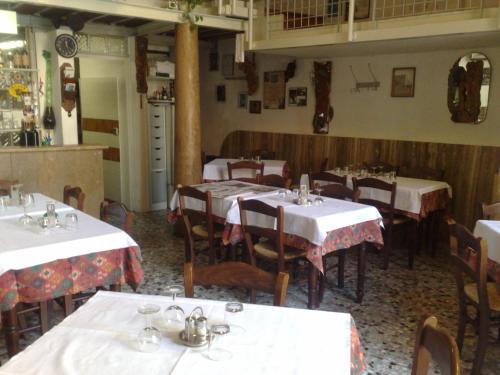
386,320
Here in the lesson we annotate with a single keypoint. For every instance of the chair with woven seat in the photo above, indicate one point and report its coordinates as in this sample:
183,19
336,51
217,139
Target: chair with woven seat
275,180
237,274
491,211
199,223
386,208
316,177
433,342
76,194
117,214
268,244
342,192
469,257
255,168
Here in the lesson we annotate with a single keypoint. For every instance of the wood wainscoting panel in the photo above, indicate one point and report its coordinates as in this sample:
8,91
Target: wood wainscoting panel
469,169
111,154
99,125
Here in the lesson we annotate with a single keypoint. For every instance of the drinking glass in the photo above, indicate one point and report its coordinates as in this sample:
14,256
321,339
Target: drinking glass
233,316
71,221
257,158
318,189
149,337
282,193
3,203
217,346
174,315
26,200
392,176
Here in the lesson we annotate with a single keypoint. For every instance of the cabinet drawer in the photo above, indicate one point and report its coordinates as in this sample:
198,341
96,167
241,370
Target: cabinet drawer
157,131
157,142
158,186
158,162
157,113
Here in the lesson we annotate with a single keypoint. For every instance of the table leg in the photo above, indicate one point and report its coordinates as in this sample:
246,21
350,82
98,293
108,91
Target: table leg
115,287
313,287
11,331
361,272
413,245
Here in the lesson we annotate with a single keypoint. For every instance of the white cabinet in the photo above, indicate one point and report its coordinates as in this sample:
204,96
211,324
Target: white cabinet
161,153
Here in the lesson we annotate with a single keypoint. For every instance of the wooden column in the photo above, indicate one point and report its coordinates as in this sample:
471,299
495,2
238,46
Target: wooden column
187,106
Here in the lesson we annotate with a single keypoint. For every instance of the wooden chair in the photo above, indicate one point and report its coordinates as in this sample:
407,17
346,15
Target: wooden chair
5,186
481,295
337,191
75,193
324,165
326,176
433,342
387,211
237,274
269,244
491,211
275,180
424,173
199,224
382,166
258,168
117,214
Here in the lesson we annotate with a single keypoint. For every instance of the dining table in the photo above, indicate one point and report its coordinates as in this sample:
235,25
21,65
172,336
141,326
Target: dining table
216,170
489,230
101,337
39,264
320,229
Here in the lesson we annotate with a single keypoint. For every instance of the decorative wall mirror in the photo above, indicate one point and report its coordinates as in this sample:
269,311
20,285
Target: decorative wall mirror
469,87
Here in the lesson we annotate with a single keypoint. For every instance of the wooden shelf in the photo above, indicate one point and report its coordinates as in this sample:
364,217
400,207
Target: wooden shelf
17,70
156,101
159,78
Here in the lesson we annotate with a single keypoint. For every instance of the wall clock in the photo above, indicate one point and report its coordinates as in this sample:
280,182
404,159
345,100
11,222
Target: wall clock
66,45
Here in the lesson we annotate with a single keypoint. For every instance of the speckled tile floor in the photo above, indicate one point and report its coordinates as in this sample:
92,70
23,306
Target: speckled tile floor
393,304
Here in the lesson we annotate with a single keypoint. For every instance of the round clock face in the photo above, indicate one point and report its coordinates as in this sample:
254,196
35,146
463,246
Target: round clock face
66,45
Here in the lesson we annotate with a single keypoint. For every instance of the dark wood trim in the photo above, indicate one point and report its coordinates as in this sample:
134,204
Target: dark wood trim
111,154
99,125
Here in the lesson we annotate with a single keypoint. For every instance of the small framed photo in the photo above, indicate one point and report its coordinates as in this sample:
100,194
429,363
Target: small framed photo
227,65
297,96
255,106
221,93
403,82
242,100
213,61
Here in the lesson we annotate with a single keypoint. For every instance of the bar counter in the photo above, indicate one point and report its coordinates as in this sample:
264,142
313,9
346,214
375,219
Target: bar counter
47,170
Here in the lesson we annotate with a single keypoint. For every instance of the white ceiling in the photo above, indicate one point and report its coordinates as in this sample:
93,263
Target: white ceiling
438,43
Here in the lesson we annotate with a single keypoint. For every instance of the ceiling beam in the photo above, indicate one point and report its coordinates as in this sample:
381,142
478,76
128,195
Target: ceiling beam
140,11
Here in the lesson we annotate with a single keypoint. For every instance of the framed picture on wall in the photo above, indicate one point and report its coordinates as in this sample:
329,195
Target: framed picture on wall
297,96
242,99
255,106
274,90
227,65
403,82
221,93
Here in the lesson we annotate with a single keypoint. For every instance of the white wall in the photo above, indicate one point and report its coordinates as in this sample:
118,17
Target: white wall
369,114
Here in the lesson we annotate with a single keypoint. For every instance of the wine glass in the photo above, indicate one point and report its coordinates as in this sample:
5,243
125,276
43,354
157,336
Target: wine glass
217,343
318,189
26,200
149,338
174,314
233,316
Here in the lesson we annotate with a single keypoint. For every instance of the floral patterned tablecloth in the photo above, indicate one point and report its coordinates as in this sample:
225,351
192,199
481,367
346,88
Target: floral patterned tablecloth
69,276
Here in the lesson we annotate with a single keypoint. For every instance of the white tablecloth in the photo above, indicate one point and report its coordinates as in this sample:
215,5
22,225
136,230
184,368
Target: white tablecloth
99,338
39,208
490,231
224,197
409,191
217,169
27,246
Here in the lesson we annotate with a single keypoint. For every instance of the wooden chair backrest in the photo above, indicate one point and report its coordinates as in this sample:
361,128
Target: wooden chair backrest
274,180
251,232
236,274
75,193
424,173
116,213
326,176
434,342
469,257
342,192
245,164
491,211
375,183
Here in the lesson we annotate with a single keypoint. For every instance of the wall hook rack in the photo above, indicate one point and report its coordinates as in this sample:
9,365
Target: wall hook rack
369,85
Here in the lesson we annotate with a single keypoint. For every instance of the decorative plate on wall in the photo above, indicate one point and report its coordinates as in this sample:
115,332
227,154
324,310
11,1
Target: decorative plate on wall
66,45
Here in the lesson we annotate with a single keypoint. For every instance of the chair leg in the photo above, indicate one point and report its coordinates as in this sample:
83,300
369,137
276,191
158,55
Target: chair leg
68,304
413,245
462,322
340,269
44,317
360,291
484,325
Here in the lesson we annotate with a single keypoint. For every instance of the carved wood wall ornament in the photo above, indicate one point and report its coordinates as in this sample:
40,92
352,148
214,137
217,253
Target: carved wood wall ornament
141,64
323,113
250,70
